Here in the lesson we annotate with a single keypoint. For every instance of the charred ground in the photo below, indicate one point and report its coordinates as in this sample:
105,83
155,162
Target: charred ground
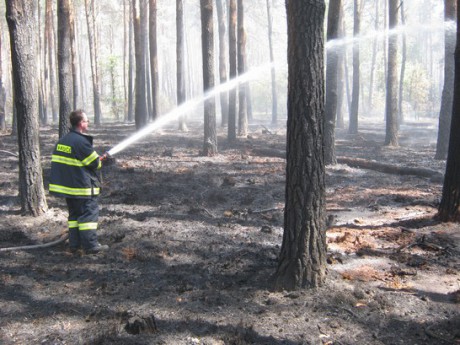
194,241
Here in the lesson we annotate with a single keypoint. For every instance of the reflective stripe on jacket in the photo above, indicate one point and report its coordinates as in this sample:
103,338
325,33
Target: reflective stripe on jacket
74,166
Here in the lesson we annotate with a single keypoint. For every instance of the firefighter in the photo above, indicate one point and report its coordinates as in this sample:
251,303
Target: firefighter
74,176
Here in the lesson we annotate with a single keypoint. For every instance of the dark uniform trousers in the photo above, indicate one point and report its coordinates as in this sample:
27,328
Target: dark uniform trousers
83,222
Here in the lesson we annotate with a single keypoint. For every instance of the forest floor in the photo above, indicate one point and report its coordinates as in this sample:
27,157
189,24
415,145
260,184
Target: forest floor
194,243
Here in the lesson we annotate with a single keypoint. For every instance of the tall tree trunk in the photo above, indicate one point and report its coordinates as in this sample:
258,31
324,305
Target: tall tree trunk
2,88
73,45
333,25
207,42
445,114
131,64
242,95
49,32
302,261
180,59
449,208
64,66
374,57
140,112
42,107
392,79
154,59
403,67
272,61
91,24
340,76
222,62
232,17
22,23
354,110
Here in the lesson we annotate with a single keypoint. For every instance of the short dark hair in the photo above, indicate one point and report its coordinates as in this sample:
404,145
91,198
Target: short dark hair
76,117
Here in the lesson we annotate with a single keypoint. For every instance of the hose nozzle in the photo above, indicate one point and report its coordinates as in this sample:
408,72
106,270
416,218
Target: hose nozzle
105,156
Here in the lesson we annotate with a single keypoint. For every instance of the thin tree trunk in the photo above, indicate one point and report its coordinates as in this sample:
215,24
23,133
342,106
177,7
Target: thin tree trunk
154,60
333,25
222,62
91,24
180,60
2,88
22,23
445,113
207,41
140,112
242,93
403,68
73,45
131,65
232,43
64,66
272,61
392,80
354,110
374,57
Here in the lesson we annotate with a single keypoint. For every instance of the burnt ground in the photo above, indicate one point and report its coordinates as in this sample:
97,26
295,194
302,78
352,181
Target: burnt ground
194,242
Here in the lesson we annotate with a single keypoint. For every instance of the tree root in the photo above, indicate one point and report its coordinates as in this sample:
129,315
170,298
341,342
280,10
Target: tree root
37,246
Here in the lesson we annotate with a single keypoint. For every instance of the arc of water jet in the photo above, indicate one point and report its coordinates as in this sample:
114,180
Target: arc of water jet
187,106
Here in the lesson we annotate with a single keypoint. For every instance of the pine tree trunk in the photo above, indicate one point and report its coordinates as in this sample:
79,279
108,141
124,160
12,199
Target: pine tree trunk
242,94
222,62
180,57
22,22
154,59
64,66
392,80
232,17
333,24
354,109
91,24
140,112
302,261
445,114
207,41
272,61
449,208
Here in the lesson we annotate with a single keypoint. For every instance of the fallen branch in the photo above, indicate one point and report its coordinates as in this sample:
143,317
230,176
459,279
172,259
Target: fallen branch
37,246
10,153
391,169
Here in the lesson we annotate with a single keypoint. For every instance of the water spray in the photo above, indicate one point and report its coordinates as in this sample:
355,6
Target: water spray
183,108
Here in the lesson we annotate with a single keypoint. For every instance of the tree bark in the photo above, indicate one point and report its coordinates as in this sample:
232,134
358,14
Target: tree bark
333,25
64,66
180,60
91,24
207,42
154,59
222,62
272,61
391,106
22,23
131,65
140,112
242,90
449,208
445,113
232,17
49,33
354,109
302,261
2,91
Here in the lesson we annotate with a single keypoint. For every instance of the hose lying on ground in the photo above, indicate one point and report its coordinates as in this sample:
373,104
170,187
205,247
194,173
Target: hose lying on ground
37,246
